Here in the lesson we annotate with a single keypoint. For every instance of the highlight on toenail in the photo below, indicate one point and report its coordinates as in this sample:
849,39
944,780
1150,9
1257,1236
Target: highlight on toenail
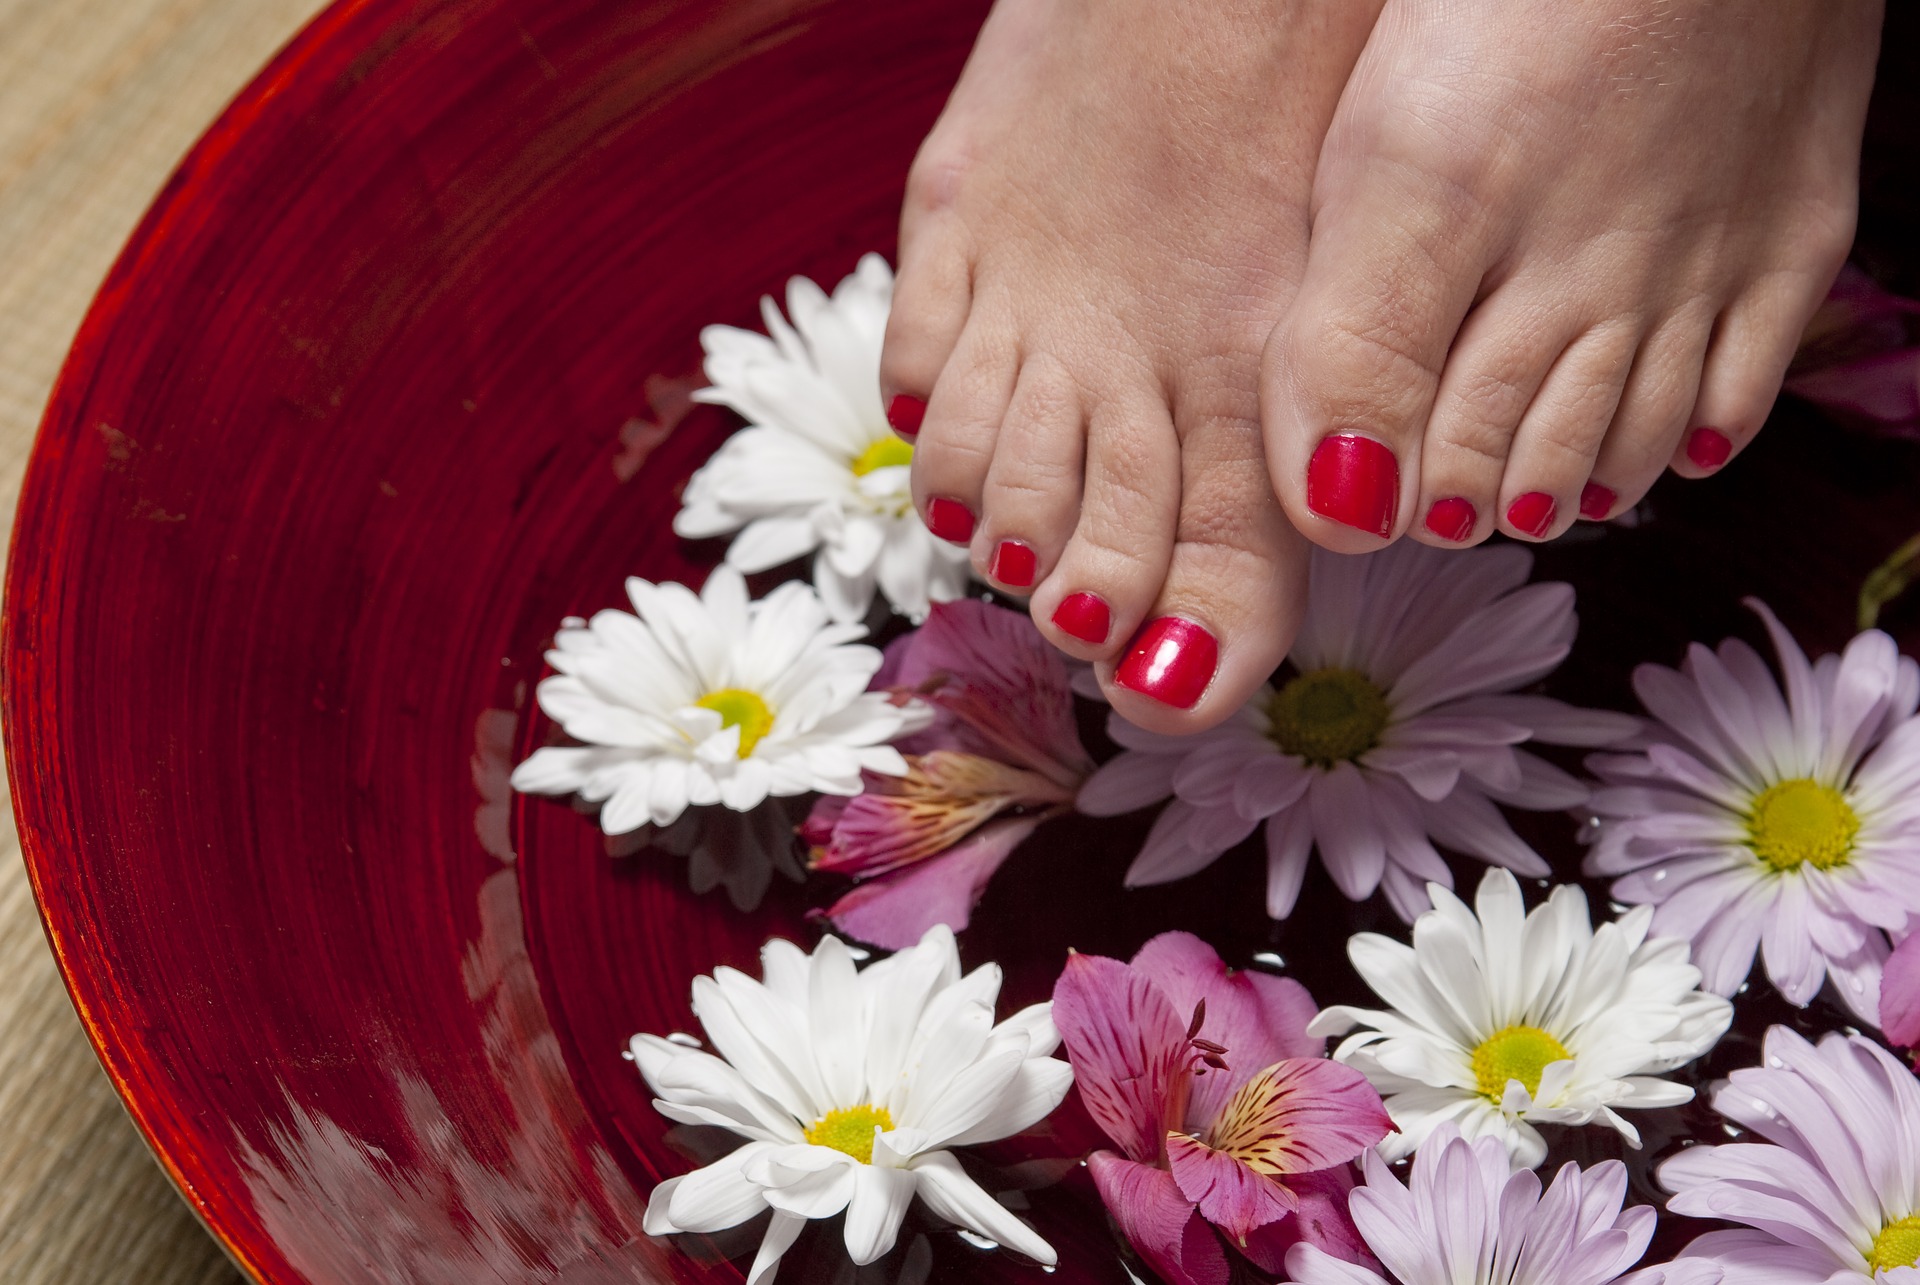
1532,513
1354,480
949,519
1013,564
1084,616
1596,501
904,414
1171,660
1709,447
1452,518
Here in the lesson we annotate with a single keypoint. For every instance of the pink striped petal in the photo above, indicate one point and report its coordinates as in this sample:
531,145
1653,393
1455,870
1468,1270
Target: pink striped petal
1126,1044
1159,1222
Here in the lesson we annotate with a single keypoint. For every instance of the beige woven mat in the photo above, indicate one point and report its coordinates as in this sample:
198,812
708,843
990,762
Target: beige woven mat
98,100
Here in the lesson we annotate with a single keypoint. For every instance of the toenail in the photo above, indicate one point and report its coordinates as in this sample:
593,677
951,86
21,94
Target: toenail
1085,616
1452,519
904,414
1532,513
1356,481
1596,501
1709,447
1013,564
951,520
1171,660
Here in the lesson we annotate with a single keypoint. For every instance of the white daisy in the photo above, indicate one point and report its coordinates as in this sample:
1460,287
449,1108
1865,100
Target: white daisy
1789,825
817,468
1398,729
850,1086
1832,1196
712,699
1519,1018
1467,1219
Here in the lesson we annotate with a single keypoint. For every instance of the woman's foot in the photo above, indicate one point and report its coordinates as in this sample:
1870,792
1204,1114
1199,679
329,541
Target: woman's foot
1558,248
1100,234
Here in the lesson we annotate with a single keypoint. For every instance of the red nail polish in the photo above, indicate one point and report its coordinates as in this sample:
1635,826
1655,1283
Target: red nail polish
904,414
1709,447
1596,501
1354,480
1085,616
1013,564
951,520
1452,518
1532,513
1171,660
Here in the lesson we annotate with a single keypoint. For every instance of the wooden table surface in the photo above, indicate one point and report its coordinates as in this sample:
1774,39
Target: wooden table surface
99,99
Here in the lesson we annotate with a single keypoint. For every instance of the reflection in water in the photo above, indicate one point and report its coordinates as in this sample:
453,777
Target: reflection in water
540,1199
492,765
742,850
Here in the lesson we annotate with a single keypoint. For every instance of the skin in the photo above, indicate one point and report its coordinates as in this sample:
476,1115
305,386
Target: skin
1153,254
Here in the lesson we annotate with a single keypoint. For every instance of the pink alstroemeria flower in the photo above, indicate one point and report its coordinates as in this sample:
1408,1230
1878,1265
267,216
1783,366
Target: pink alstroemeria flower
1002,741
1226,1111
1900,994
1860,358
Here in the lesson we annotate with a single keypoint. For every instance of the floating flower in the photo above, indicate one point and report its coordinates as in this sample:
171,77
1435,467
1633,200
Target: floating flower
1226,1110
1860,358
1467,1218
712,699
1518,1018
817,470
1398,728
1001,756
850,1086
1832,1197
1791,826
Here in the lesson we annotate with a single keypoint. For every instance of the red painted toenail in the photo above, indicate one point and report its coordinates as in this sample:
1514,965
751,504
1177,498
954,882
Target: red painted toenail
1532,513
951,520
1452,519
1354,480
904,414
1709,447
1085,616
1596,501
1013,564
1171,660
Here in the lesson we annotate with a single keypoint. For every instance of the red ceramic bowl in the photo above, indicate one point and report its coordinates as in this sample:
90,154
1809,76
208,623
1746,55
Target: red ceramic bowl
394,377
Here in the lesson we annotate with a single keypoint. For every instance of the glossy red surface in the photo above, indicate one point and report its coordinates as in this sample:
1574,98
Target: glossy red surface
393,378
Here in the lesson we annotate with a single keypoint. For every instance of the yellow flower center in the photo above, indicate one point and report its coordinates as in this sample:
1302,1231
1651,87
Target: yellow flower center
1897,1245
1802,821
1327,716
851,1129
1515,1053
883,452
743,709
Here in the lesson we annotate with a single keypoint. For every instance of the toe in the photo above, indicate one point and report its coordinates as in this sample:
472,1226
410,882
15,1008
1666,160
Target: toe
1116,559
956,441
1647,425
1350,373
932,295
1559,437
1745,364
1032,491
1497,365
1227,611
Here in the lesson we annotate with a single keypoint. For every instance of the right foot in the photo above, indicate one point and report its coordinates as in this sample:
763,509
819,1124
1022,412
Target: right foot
1100,233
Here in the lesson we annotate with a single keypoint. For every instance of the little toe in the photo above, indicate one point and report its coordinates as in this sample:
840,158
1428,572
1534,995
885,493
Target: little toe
1116,559
1229,607
1559,437
955,445
1350,373
932,295
1032,491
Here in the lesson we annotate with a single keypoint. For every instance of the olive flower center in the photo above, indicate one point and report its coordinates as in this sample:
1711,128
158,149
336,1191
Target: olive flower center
1515,1053
851,1129
1327,716
1801,822
738,707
